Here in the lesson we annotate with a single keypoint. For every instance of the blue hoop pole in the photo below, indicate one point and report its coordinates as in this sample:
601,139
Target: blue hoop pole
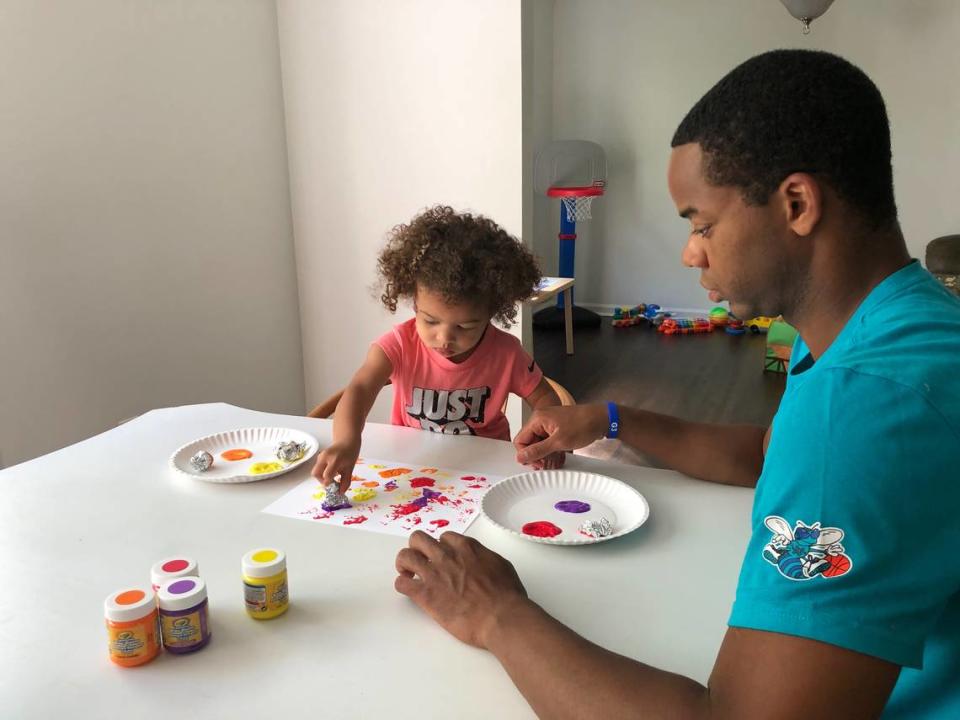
567,237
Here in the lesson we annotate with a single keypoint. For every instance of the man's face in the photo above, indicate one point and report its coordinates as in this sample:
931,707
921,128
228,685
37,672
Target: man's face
739,248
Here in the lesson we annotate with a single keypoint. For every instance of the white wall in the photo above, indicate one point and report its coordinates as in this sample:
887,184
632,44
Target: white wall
146,256
626,72
390,107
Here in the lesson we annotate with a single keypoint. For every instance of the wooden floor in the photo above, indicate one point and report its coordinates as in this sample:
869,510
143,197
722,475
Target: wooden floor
712,377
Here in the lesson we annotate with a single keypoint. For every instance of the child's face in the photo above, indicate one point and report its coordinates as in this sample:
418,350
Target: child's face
452,331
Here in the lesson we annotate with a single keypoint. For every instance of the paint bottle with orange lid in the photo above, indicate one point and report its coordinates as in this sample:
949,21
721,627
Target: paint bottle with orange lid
172,568
133,626
265,591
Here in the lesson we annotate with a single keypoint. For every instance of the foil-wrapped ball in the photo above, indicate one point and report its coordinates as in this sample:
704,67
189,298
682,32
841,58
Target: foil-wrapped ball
597,528
334,499
291,450
202,461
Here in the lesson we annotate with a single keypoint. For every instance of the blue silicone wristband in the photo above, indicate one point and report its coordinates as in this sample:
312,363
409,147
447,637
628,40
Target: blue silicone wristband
613,415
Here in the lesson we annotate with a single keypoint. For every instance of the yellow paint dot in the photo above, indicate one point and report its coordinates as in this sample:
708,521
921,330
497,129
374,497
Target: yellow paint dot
265,556
262,468
361,494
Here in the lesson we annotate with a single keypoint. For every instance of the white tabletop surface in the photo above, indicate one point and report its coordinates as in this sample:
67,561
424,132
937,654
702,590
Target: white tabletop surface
84,521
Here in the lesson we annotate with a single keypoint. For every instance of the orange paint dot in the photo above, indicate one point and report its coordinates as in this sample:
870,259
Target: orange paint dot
371,483
130,597
428,471
236,454
394,472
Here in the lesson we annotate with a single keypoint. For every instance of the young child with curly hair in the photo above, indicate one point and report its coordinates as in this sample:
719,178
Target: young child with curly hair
450,367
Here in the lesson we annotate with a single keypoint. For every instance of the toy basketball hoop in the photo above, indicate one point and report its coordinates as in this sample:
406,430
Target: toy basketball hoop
577,200
576,172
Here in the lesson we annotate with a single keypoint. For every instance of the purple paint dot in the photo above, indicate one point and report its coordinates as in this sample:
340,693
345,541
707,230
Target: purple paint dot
572,506
330,508
181,586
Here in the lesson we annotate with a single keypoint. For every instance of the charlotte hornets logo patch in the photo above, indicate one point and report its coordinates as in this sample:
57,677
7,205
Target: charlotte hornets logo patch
806,551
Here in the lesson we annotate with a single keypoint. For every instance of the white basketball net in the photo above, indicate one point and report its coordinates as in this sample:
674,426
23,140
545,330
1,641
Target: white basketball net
578,208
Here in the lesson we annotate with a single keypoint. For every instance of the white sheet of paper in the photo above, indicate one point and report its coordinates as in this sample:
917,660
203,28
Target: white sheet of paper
392,497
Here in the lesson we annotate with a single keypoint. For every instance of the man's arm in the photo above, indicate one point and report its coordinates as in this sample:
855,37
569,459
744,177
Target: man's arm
729,454
476,595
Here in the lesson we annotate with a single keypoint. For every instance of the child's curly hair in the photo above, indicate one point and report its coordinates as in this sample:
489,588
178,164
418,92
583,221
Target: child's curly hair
462,257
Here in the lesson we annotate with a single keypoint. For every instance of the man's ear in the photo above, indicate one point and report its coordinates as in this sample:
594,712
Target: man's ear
802,199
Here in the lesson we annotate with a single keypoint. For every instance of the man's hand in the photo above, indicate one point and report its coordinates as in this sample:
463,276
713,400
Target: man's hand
555,429
462,585
338,459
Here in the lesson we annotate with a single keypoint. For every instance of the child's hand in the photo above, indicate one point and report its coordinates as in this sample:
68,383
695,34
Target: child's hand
553,461
338,459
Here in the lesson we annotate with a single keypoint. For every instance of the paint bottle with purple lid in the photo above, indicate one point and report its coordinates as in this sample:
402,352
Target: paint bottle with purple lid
171,568
184,621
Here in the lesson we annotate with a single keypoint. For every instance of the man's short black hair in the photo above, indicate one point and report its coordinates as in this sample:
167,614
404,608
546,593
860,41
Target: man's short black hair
797,110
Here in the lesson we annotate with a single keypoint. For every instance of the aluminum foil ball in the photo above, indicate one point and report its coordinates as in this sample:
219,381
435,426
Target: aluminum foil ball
291,450
597,528
202,461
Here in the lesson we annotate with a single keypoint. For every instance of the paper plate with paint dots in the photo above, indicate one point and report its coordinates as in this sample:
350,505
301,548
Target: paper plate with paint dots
245,455
565,507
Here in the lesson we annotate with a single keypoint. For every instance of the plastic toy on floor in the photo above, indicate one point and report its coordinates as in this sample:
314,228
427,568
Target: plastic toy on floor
759,324
657,320
719,317
684,326
623,312
628,321
624,316
734,326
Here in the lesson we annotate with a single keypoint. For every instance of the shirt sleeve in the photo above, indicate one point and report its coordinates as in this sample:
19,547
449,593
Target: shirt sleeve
525,374
391,343
855,528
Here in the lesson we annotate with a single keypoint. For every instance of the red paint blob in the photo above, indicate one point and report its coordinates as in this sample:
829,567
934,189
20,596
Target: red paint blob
440,523
355,520
541,528
174,566
420,482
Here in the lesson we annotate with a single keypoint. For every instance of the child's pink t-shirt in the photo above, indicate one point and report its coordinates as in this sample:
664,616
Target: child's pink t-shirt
467,398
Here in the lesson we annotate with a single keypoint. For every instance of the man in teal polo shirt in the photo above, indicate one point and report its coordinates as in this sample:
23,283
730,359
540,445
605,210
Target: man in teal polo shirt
848,603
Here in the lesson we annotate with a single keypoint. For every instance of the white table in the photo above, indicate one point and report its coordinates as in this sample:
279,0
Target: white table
551,287
82,522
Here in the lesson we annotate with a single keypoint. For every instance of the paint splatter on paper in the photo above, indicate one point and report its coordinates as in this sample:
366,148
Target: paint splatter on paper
430,498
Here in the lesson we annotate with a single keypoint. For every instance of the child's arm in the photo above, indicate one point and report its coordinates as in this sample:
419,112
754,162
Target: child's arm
352,410
544,396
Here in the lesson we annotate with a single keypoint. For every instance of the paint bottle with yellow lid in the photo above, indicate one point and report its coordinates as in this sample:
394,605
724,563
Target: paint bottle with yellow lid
265,583
133,626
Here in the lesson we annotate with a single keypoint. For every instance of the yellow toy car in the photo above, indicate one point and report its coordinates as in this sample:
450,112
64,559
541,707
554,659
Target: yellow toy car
759,324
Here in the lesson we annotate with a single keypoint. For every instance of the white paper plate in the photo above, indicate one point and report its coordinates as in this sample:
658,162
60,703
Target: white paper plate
261,441
532,496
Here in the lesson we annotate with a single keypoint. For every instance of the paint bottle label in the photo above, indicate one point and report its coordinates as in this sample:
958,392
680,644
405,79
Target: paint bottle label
133,640
255,597
182,631
269,596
